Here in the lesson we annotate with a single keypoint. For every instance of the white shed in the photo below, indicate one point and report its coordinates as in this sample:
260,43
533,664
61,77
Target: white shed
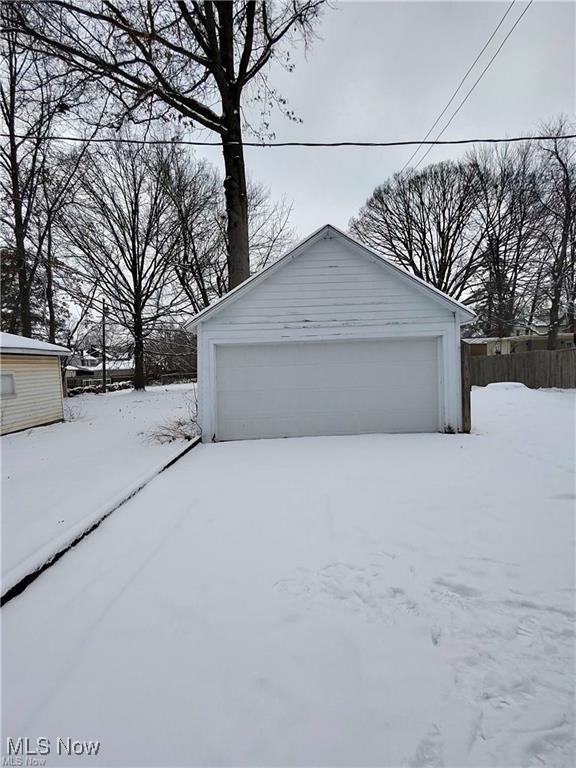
31,379
332,339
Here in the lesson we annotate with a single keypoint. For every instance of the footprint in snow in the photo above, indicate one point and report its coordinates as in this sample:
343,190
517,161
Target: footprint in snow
555,748
436,635
430,750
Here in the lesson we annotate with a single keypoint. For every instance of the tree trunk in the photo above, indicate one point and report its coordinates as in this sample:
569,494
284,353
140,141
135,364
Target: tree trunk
63,362
557,282
552,341
23,308
139,373
50,289
24,300
236,202
554,314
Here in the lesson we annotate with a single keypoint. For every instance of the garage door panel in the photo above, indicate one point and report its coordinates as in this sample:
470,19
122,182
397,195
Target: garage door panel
313,425
326,388
307,375
250,355
324,401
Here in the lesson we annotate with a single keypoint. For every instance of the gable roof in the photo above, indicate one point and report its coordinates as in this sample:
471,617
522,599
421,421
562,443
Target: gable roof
12,344
466,315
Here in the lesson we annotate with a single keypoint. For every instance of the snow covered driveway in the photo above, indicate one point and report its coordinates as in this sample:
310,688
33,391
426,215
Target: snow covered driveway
402,600
57,480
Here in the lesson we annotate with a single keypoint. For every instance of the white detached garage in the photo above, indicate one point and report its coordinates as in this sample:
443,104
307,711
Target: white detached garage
332,339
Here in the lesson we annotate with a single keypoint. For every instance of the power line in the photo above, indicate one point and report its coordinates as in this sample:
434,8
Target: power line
486,68
272,144
460,84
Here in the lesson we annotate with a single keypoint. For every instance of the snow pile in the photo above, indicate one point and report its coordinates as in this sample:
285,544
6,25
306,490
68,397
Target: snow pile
57,480
507,385
400,600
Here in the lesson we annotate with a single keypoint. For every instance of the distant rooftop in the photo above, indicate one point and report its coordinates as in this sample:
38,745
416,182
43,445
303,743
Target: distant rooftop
115,365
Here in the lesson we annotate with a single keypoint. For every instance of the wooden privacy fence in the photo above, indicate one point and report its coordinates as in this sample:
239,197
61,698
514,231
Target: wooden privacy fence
534,369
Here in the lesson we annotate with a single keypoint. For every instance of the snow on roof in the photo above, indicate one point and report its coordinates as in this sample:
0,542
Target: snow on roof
21,345
115,365
85,368
465,313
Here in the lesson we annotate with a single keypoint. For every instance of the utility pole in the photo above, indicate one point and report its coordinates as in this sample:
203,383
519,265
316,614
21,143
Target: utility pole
104,345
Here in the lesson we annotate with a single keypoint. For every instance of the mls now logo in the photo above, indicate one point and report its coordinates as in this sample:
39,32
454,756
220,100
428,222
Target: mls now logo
23,747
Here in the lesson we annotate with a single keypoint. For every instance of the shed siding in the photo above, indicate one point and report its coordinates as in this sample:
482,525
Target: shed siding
38,398
330,286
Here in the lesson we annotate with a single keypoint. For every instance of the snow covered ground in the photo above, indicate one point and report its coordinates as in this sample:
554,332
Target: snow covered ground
57,480
382,600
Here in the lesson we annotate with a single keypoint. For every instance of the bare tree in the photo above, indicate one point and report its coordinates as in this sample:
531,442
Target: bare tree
195,190
168,58
497,228
36,178
426,222
200,261
270,232
558,199
122,230
31,99
171,350
509,212
11,272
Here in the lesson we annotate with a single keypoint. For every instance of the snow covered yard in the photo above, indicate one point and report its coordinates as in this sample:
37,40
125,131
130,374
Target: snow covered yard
383,600
59,478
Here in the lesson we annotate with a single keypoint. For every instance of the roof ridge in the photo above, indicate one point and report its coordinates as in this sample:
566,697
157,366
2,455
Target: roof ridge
232,295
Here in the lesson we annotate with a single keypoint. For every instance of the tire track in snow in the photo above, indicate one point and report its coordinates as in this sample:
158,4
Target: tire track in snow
88,635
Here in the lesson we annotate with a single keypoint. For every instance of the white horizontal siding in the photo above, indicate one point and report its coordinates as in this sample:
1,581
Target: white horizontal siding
326,286
315,331
38,398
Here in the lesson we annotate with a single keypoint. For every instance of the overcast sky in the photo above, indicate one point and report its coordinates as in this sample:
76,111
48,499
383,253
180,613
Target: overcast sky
384,70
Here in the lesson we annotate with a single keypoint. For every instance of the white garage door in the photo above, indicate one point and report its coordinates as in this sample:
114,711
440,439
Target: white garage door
326,388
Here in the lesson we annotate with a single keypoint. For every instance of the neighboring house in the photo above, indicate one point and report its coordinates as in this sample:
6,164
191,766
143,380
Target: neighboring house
509,345
83,359
332,339
31,383
116,368
80,365
88,361
536,326
77,371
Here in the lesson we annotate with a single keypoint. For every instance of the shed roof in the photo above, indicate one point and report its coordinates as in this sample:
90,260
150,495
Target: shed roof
12,344
465,314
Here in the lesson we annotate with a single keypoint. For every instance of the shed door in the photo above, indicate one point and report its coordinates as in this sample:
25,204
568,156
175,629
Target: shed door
326,388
